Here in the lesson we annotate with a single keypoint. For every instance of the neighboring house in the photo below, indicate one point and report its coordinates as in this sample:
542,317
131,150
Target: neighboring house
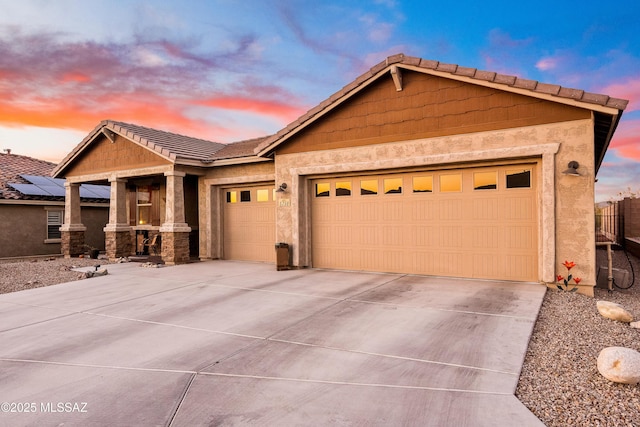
32,208
416,167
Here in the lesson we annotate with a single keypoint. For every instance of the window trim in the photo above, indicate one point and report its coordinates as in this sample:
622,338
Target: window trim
146,189
59,212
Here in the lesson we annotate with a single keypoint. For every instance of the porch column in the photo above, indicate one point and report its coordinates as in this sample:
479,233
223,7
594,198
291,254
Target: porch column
175,231
117,233
72,231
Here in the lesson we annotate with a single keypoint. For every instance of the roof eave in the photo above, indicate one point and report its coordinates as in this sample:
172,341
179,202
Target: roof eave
612,128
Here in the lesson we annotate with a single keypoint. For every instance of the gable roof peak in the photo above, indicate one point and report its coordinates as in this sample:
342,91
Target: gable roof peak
496,80
171,146
535,87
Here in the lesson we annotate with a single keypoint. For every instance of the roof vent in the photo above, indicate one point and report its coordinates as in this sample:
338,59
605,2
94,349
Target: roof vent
7,150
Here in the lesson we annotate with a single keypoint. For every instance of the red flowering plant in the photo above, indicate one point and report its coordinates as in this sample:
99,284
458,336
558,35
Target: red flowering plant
563,282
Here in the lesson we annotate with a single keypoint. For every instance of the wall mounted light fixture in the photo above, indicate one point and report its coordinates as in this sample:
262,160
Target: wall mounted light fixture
572,169
282,188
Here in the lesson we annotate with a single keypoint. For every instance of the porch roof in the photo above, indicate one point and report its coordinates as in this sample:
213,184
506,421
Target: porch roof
171,146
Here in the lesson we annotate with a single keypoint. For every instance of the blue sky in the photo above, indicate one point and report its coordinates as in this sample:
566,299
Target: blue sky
230,70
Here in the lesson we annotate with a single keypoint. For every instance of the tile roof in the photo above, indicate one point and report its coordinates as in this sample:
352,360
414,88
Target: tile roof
167,144
12,166
239,149
172,146
456,71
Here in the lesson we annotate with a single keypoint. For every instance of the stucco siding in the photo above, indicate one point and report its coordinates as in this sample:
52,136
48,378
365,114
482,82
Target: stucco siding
575,204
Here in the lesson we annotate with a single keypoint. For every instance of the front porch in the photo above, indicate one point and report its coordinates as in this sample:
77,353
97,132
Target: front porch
149,214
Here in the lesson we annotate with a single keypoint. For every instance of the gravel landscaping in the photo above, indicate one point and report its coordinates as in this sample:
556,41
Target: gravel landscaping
559,382
18,275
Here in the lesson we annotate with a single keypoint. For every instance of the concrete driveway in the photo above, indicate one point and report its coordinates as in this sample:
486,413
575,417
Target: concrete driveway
231,343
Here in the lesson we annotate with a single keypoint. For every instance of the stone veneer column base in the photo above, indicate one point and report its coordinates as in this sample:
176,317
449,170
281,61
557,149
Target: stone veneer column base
72,243
175,247
117,244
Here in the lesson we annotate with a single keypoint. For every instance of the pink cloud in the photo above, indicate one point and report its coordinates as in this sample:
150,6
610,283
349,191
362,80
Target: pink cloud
626,141
628,89
47,82
548,63
278,109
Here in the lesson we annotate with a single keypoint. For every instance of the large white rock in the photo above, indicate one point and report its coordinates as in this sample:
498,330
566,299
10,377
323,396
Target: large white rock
635,325
614,311
620,365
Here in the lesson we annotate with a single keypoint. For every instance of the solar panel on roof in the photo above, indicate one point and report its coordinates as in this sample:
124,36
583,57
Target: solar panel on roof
99,191
39,180
54,190
46,186
30,189
87,193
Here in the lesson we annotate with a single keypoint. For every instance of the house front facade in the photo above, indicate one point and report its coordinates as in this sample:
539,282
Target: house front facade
415,167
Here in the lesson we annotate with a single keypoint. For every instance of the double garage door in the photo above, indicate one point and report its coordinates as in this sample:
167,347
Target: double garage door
474,222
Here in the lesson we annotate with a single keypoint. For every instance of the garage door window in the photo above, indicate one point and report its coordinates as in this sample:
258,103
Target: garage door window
368,187
323,189
393,186
232,196
343,188
451,183
422,184
518,178
485,180
245,196
263,195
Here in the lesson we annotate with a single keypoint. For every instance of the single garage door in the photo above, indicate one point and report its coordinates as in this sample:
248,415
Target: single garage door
249,231
474,222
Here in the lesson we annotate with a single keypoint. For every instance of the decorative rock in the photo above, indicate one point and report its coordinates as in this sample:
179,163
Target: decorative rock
614,311
95,273
620,365
635,325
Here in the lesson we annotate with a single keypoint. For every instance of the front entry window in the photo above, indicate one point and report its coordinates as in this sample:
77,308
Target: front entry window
143,204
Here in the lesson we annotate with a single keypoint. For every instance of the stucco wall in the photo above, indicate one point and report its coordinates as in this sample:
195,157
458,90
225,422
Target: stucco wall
571,202
23,229
575,208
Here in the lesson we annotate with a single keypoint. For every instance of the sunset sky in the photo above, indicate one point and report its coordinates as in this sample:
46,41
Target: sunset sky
229,70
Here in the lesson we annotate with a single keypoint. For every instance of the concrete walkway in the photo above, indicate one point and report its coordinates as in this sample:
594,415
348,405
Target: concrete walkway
231,343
